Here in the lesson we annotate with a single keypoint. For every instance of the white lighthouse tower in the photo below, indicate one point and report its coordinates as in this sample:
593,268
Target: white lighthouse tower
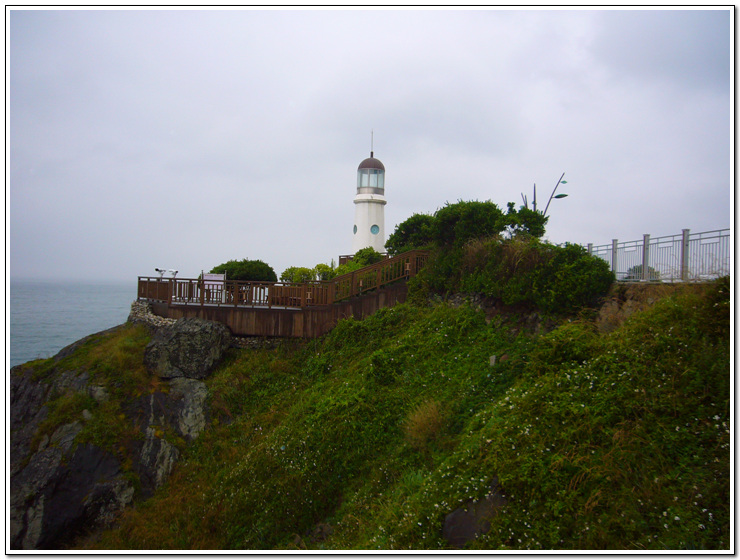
369,229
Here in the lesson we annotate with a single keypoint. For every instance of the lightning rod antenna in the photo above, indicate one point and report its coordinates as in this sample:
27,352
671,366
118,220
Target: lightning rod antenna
371,142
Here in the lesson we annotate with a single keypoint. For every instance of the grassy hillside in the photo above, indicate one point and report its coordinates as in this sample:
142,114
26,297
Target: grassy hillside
369,437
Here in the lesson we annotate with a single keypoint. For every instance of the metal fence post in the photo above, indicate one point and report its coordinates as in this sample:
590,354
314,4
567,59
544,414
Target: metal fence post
590,248
614,255
685,255
645,255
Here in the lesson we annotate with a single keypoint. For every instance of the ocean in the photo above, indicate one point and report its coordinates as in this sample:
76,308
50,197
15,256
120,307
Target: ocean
47,316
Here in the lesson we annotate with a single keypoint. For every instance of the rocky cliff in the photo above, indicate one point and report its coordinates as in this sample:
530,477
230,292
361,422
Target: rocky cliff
89,437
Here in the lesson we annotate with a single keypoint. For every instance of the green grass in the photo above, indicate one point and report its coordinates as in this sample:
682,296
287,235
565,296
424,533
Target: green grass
384,426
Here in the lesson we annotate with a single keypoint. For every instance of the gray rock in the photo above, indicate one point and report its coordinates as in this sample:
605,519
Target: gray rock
63,490
157,459
99,393
88,488
27,411
191,416
182,408
61,487
467,523
190,348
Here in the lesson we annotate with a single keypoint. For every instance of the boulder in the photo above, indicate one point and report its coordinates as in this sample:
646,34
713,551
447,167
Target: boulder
467,523
190,348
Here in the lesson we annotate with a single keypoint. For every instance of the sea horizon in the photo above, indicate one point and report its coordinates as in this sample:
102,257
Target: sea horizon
47,315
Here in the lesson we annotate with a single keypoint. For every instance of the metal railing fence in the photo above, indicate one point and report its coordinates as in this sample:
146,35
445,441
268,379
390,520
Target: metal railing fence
686,257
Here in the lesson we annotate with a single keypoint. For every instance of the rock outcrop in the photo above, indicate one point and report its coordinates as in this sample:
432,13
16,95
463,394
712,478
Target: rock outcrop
190,348
58,485
64,478
467,523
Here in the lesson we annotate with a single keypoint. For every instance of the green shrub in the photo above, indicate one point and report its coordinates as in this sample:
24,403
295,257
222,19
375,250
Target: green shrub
367,256
363,257
298,274
571,343
245,269
635,273
525,222
383,368
455,224
534,274
324,271
424,424
716,307
415,232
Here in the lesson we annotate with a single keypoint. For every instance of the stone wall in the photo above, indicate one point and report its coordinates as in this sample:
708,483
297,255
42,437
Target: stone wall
141,312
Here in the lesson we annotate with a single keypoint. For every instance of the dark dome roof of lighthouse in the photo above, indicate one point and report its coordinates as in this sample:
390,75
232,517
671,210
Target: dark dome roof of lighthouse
371,163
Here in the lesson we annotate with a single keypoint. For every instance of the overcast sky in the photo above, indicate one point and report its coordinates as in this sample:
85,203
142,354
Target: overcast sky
182,139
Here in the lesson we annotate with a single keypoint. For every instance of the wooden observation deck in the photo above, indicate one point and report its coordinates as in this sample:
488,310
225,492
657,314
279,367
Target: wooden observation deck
284,309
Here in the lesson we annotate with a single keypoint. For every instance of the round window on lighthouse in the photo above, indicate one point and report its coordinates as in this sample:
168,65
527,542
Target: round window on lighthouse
375,230
354,230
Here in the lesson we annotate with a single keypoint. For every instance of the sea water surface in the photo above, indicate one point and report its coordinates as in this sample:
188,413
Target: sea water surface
46,316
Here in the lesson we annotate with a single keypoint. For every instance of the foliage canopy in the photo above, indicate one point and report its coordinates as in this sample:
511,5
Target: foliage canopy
363,257
454,225
245,269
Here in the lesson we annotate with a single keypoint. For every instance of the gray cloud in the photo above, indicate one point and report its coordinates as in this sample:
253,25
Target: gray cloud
186,138
688,47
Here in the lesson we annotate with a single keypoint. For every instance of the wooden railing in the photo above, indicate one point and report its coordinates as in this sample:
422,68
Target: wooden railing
400,267
237,293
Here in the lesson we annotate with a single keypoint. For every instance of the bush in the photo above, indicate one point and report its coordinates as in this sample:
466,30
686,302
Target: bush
455,224
414,233
424,424
363,257
577,279
348,267
635,273
525,222
324,271
571,343
534,274
367,256
298,274
245,269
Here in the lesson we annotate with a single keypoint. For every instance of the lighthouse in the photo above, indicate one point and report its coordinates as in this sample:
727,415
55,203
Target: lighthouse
369,228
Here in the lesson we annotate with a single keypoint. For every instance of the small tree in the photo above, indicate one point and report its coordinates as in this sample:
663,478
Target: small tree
324,272
367,256
298,274
245,269
635,273
363,257
525,222
455,224
415,232
348,267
